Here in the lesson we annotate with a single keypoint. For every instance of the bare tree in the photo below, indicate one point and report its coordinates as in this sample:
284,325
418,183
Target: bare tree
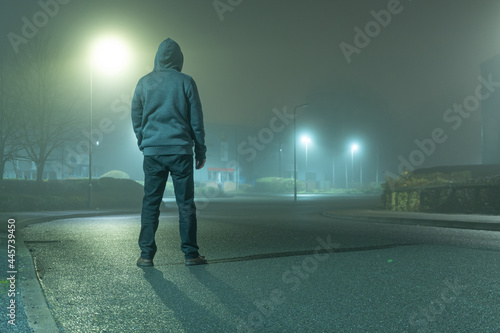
9,116
47,116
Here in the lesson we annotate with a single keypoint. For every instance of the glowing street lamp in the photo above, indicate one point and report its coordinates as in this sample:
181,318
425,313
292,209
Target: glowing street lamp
295,149
354,148
109,54
306,140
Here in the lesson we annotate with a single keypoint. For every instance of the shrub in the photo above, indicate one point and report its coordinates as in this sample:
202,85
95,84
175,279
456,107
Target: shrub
278,185
445,190
209,192
246,188
22,195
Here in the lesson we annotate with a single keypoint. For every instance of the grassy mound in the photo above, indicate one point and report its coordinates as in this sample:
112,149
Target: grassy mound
116,174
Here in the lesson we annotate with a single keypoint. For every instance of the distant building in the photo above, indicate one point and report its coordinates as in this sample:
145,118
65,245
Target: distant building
236,155
490,109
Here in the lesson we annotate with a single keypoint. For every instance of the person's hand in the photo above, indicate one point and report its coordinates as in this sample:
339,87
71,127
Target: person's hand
200,164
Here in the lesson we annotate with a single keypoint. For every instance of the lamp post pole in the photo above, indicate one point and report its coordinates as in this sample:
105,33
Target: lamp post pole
354,147
294,155
306,171
280,150
346,176
352,165
360,171
333,172
111,53
306,152
295,149
306,140
90,137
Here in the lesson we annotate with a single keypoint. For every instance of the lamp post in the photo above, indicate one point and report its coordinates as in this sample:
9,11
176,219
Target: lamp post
346,178
354,148
111,55
295,149
333,172
280,152
360,171
306,140
90,133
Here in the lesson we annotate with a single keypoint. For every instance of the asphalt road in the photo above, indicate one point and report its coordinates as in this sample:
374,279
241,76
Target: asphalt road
274,267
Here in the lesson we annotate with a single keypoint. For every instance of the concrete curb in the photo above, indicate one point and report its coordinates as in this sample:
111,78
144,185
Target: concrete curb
38,313
428,222
39,316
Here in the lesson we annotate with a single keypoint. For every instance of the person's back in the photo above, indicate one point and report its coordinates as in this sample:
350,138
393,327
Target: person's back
167,118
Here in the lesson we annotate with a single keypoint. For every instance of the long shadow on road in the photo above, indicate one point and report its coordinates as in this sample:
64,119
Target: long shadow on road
238,305
228,314
190,314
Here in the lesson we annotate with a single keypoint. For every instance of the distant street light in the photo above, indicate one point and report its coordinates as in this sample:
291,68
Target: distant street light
360,171
306,140
295,149
354,148
346,178
333,169
110,55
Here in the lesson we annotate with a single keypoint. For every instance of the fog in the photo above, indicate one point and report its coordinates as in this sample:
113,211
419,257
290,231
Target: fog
385,75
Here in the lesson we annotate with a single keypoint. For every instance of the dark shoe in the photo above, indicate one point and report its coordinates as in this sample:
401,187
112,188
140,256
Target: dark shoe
196,261
141,262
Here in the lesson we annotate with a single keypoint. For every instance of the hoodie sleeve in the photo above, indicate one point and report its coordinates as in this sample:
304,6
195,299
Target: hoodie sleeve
196,121
137,110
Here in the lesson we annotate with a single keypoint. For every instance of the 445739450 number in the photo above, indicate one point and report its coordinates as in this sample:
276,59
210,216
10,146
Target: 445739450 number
11,247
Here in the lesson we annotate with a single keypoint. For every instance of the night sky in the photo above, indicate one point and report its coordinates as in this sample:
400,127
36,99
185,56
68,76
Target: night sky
258,55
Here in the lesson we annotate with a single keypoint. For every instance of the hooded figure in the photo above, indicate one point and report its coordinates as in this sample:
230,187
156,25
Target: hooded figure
166,108
168,121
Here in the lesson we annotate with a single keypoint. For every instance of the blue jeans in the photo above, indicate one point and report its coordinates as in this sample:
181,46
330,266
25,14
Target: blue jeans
156,170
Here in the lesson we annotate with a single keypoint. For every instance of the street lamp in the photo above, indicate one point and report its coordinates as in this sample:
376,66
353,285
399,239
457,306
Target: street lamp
110,54
295,149
306,140
354,148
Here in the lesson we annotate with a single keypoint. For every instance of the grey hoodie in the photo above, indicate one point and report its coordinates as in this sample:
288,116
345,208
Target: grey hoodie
166,110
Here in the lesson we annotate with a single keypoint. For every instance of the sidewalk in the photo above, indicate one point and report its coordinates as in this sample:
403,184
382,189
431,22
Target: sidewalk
461,221
32,313
24,219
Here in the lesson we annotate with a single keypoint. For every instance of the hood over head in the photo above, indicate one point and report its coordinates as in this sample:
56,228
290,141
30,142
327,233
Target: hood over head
169,56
